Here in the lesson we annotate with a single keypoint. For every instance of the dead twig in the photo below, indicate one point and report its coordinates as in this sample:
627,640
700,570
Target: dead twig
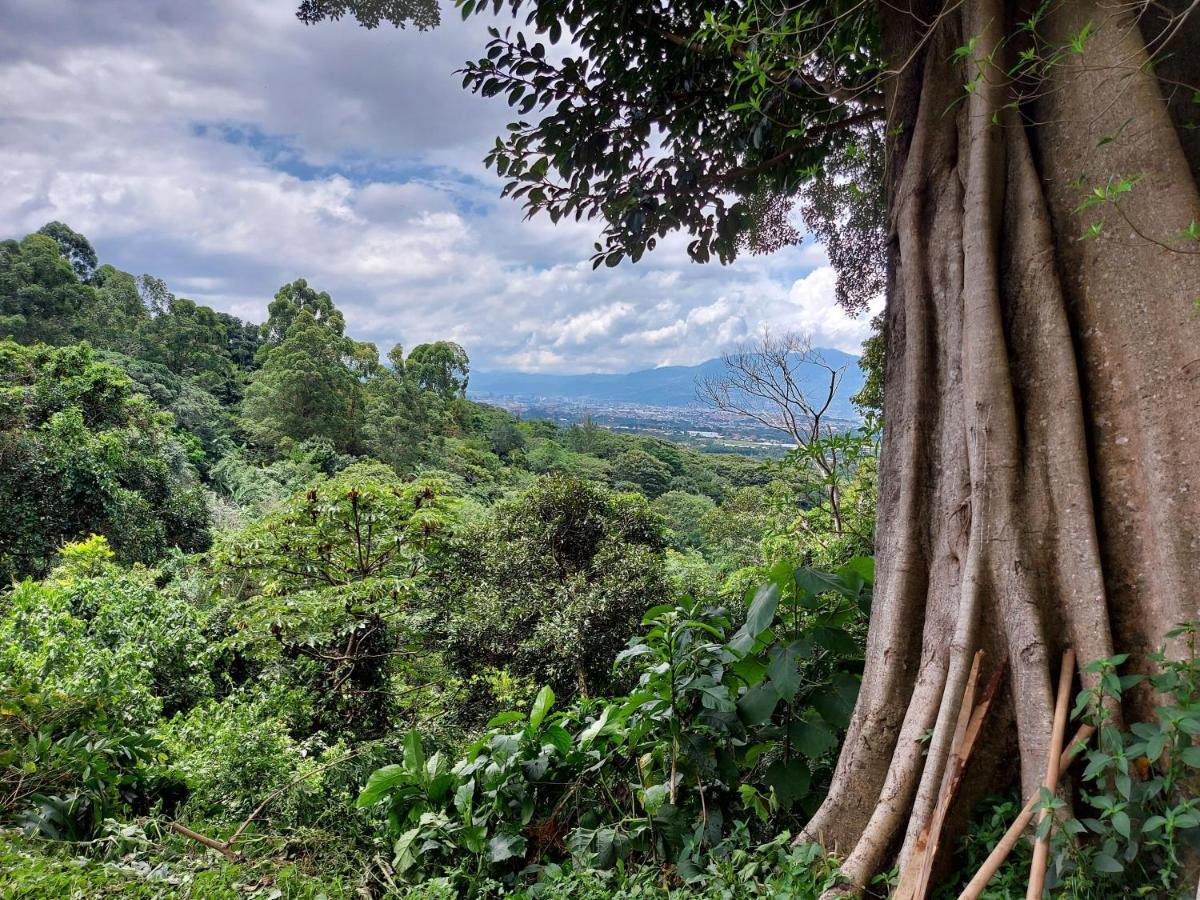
220,846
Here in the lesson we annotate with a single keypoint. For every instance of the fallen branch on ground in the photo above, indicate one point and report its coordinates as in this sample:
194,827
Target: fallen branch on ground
225,848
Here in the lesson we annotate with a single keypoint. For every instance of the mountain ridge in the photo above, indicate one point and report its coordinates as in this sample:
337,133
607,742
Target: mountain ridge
664,386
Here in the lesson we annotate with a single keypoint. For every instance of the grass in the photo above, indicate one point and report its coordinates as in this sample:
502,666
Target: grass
38,869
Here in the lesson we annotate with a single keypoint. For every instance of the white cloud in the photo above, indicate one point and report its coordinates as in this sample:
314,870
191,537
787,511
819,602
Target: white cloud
354,164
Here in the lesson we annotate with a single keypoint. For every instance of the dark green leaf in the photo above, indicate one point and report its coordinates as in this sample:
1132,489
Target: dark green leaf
505,846
505,718
790,780
380,784
813,738
758,704
836,701
758,619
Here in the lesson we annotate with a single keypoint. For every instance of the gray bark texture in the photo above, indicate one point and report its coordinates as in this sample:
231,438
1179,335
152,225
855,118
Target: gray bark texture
1041,462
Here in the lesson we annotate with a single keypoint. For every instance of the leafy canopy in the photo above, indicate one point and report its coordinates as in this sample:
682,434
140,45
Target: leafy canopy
329,578
662,117
82,452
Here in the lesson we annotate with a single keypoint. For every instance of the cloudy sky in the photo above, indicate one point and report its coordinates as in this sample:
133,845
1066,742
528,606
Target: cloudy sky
227,148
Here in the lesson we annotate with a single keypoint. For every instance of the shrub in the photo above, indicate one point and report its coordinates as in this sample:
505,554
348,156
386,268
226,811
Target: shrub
325,587
719,728
82,452
231,753
551,586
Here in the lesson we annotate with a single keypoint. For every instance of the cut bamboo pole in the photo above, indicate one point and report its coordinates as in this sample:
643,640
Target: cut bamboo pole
1000,852
914,882
954,777
1041,848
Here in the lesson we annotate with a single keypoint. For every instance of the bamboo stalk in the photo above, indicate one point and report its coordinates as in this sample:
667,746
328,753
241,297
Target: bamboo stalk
914,880
954,777
1041,848
1000,852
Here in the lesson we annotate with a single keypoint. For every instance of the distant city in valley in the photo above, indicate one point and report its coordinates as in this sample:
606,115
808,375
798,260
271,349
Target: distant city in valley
662,401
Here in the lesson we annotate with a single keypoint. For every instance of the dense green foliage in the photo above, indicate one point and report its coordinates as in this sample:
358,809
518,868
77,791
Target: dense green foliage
585,564
722,731
321,586
82,451
246,562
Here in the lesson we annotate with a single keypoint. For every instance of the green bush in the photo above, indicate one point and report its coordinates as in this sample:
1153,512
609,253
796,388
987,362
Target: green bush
82,452
325,590
551,586
144,863
231,753
1136,818
684,515
89,659
722,727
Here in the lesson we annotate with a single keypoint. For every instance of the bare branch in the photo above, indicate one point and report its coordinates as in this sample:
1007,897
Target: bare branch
764,381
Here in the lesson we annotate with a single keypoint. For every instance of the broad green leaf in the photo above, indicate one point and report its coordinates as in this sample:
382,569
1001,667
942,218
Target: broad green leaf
380,783
541,706
527,807
414,753
813,583
404,851
505,846
812,737
1191,757
654,797
464,798
783,671
557,737
790,779
590,733
837,641
655,611
758,704
632,652
780,575
1102,862
439,785
751,669
863,567
758,619
835,702
536,768
1120,823
505,718
472,837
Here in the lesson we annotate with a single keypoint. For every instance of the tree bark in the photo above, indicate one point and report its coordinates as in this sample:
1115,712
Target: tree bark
1040,480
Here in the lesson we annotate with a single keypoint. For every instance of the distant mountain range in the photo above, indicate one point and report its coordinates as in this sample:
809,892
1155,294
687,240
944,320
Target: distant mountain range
667,386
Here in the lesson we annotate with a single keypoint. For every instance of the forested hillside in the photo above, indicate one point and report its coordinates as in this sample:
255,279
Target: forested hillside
255,563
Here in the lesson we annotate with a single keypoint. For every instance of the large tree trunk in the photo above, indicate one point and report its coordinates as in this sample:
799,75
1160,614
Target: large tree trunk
1041,464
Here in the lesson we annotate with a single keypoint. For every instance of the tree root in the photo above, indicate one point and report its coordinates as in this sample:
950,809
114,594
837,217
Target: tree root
1038,486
